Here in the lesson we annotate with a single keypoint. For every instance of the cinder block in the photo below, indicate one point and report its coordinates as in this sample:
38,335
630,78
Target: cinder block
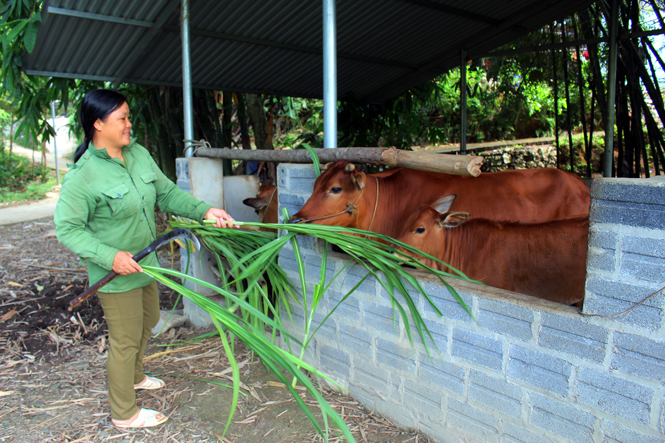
328,330
505,318
439,331
380,318
353,276
366,396
495,393
443,374
291,199
607,297
396,412
599,238
356,339
394,356
539,369
639,356
481,426
643,267
477,349
601,259
301,185
424,400
517,434
446,303
616,396
335,360
644,246
641,215
199,265
370,377
298,170
629,190
613,432
561,418
197,316
348,310
573,336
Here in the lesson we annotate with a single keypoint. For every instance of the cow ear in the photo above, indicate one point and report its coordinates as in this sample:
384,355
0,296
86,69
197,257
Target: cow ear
453,219
257,203
443,204
358,179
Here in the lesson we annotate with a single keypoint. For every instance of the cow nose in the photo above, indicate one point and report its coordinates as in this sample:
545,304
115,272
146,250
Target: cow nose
294,220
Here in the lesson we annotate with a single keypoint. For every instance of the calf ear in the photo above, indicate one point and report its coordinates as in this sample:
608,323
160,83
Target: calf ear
443,204
256,203
358,179
452,219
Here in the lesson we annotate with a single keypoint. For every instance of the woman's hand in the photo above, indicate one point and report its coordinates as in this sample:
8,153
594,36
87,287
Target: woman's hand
223,219
124,264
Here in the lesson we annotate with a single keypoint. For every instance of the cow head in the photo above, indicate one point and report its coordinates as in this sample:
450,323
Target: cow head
426,228
332,202
265,204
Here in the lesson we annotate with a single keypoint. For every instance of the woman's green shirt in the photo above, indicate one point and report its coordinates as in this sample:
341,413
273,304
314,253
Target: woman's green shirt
106,206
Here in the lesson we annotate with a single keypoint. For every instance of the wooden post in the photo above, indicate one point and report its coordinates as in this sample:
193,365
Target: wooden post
449,164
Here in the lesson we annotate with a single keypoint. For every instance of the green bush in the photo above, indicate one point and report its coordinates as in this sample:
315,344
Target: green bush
21,180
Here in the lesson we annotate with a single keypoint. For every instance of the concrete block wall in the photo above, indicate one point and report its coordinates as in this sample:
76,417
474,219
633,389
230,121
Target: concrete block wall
529,370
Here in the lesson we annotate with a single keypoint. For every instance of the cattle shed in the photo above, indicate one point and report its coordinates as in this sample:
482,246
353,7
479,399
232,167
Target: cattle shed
529,370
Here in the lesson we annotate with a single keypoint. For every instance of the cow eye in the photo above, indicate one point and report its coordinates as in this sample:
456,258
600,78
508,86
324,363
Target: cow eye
420,230
336,190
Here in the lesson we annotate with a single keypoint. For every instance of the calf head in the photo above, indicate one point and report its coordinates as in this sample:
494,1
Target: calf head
333,201
265,204
426,228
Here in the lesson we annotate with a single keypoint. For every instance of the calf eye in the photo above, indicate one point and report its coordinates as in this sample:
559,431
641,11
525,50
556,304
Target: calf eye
336,190
420,230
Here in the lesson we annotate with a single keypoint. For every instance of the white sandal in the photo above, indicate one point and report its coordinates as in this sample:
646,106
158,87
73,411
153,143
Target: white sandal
147,418
150,383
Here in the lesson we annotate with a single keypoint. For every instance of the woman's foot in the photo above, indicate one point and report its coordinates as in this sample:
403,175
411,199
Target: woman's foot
145,418
150,383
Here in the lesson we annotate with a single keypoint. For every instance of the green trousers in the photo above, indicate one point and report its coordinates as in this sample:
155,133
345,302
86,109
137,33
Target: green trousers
130,317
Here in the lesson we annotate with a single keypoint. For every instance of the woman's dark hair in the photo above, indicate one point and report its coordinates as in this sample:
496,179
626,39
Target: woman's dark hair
97,104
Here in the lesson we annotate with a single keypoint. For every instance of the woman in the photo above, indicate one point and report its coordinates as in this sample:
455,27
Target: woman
105,215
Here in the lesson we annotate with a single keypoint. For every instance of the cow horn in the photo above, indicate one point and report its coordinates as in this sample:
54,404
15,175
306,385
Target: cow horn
325,167
350,167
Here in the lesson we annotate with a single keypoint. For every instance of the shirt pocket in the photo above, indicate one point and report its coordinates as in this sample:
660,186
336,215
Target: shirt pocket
150,195
118,201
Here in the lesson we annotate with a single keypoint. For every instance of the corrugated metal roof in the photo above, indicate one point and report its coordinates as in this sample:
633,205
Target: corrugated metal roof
384,46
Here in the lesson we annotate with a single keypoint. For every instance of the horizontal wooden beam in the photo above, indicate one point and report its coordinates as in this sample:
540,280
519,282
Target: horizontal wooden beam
424,161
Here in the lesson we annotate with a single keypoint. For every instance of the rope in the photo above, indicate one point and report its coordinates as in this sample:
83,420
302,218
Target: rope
627,310
376,204
350,207
197,145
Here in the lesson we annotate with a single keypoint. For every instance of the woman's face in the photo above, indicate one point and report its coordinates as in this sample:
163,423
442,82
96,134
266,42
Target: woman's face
115,131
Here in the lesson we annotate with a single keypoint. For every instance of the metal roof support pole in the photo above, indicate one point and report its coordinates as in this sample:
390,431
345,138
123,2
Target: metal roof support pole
55,147
187,102
462,89
329,75
611,91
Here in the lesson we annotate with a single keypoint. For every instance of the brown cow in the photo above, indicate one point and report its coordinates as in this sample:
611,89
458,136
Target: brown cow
546,260
343,196
265,205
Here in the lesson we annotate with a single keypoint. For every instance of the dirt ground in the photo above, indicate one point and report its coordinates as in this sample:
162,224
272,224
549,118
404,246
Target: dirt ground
52,366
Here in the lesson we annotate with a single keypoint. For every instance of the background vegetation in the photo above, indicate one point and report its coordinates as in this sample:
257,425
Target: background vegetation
518,95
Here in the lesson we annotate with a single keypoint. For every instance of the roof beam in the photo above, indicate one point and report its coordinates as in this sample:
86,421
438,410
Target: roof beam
455,11
272,44
99,17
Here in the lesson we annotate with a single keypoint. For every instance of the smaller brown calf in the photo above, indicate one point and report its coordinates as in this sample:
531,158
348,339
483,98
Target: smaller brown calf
265,205
546,260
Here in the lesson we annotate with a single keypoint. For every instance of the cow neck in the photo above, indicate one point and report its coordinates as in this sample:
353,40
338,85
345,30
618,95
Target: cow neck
268,205
376,204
